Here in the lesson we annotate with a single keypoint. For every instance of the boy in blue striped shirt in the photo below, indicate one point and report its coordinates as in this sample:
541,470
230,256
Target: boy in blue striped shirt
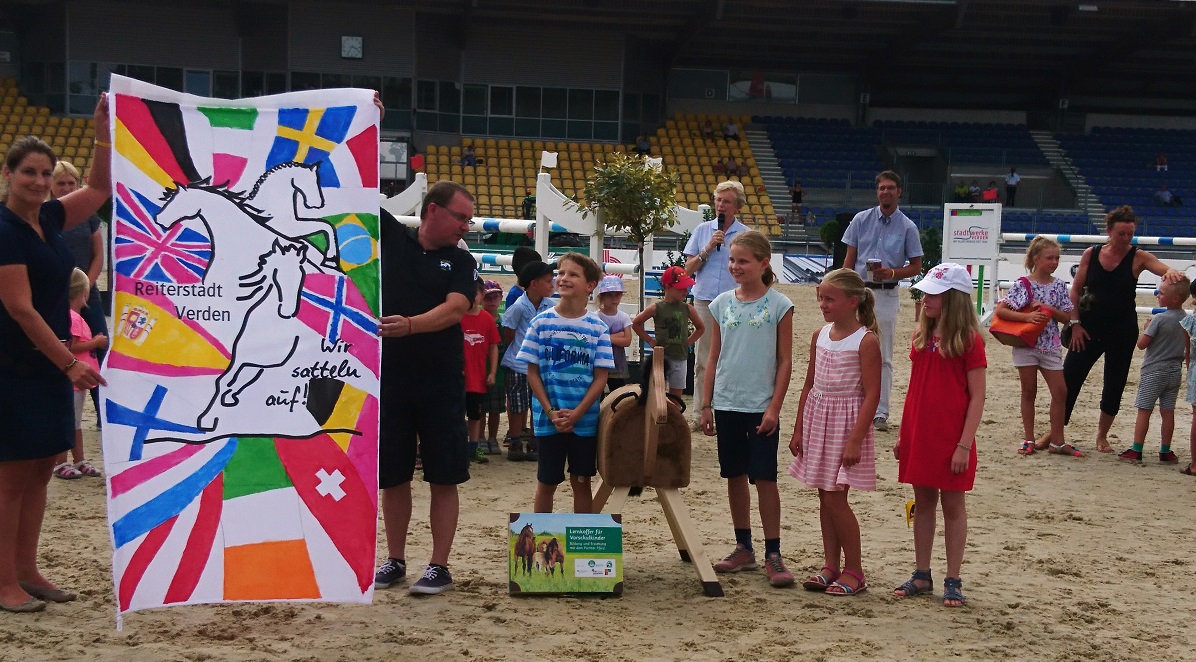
568,354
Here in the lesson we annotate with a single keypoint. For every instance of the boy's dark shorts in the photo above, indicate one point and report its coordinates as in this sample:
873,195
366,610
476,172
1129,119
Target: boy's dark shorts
473,405
428,414
582,453
741,450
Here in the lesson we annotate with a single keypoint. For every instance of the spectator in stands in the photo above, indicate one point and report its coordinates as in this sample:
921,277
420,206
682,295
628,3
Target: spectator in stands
469,158
707,130
731,130
529,205
706,260
642,146
884,234
990,194
1160,162
1011,182
961,192
1167,198
795,195
974,191
730,167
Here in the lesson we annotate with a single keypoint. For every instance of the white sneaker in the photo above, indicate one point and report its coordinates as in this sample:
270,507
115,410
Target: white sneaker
881,423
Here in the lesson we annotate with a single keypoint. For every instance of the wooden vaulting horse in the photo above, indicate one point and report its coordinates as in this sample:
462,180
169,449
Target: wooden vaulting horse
525,549
644,439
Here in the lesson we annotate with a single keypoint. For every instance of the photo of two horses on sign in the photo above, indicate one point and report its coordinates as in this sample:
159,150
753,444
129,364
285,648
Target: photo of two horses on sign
259,238
544,557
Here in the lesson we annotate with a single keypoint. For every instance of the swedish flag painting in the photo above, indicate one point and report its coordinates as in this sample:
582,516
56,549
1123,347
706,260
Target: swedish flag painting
308,135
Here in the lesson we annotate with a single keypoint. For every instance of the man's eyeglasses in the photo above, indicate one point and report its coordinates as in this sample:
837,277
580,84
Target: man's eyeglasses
461,218
886,187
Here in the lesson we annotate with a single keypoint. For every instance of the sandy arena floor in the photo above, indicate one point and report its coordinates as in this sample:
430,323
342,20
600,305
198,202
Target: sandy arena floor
1067,559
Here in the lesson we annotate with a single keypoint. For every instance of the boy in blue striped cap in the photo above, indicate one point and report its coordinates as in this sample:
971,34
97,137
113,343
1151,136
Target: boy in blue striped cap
568,354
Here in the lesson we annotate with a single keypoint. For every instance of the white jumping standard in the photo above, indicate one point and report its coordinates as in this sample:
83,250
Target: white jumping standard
555,212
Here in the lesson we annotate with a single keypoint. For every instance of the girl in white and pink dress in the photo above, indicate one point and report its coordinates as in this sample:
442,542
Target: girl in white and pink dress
832,438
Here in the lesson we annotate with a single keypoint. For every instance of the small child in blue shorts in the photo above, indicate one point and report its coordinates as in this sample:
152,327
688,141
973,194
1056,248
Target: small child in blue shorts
1166,343
567,351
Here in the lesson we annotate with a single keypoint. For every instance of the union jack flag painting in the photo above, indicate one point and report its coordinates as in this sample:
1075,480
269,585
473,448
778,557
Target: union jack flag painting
147,252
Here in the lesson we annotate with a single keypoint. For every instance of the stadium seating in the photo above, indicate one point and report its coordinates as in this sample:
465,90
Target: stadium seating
967,142
823,153
71,137
1119,165
699,161
506,168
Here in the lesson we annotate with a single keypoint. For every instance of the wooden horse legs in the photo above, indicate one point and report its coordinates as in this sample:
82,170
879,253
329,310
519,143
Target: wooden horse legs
677,515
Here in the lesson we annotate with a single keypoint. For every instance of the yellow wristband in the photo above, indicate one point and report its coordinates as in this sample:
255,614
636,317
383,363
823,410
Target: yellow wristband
100,143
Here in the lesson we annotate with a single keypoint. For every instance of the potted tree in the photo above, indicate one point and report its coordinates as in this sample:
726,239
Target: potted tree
632,197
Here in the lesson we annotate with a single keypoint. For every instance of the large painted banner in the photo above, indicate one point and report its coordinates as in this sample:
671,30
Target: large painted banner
241,414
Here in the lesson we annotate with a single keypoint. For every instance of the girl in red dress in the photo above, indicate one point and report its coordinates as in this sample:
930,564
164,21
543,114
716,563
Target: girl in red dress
937,448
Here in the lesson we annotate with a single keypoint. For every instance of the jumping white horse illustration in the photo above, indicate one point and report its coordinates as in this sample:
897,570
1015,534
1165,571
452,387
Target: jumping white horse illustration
230,221
281,190
271,329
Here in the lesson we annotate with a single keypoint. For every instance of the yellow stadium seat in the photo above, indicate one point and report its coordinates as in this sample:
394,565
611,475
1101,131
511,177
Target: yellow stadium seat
68,152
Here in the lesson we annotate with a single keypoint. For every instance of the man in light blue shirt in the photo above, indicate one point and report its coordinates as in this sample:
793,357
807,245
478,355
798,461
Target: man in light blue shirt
884,233
706,260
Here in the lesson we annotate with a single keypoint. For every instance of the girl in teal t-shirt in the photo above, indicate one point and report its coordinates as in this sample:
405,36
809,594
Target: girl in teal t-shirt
747,374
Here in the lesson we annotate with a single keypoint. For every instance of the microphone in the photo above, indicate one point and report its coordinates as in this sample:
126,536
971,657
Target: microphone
721,220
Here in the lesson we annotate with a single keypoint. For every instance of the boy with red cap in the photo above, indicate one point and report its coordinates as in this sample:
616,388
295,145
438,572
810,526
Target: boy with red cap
672,317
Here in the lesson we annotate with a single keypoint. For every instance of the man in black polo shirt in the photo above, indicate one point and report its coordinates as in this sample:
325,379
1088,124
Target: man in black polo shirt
428,283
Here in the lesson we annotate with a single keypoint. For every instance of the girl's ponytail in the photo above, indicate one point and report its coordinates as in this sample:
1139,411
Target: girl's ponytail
866,312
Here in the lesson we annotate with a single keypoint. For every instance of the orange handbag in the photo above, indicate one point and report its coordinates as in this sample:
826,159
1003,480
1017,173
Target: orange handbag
1020,334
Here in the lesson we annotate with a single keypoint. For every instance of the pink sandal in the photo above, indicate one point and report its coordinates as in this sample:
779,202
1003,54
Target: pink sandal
821,582
839,588
67,471
88,469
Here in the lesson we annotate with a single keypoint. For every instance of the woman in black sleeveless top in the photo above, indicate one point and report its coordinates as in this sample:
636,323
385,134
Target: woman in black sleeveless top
1104,320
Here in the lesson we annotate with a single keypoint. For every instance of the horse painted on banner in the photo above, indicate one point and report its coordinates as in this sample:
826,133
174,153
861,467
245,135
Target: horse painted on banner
239,231
525,550
271,332
281,190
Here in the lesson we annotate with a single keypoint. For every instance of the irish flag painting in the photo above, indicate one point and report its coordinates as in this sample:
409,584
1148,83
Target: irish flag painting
241,412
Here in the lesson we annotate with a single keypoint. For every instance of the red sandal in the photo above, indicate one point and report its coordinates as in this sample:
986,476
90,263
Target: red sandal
821,582
841,589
